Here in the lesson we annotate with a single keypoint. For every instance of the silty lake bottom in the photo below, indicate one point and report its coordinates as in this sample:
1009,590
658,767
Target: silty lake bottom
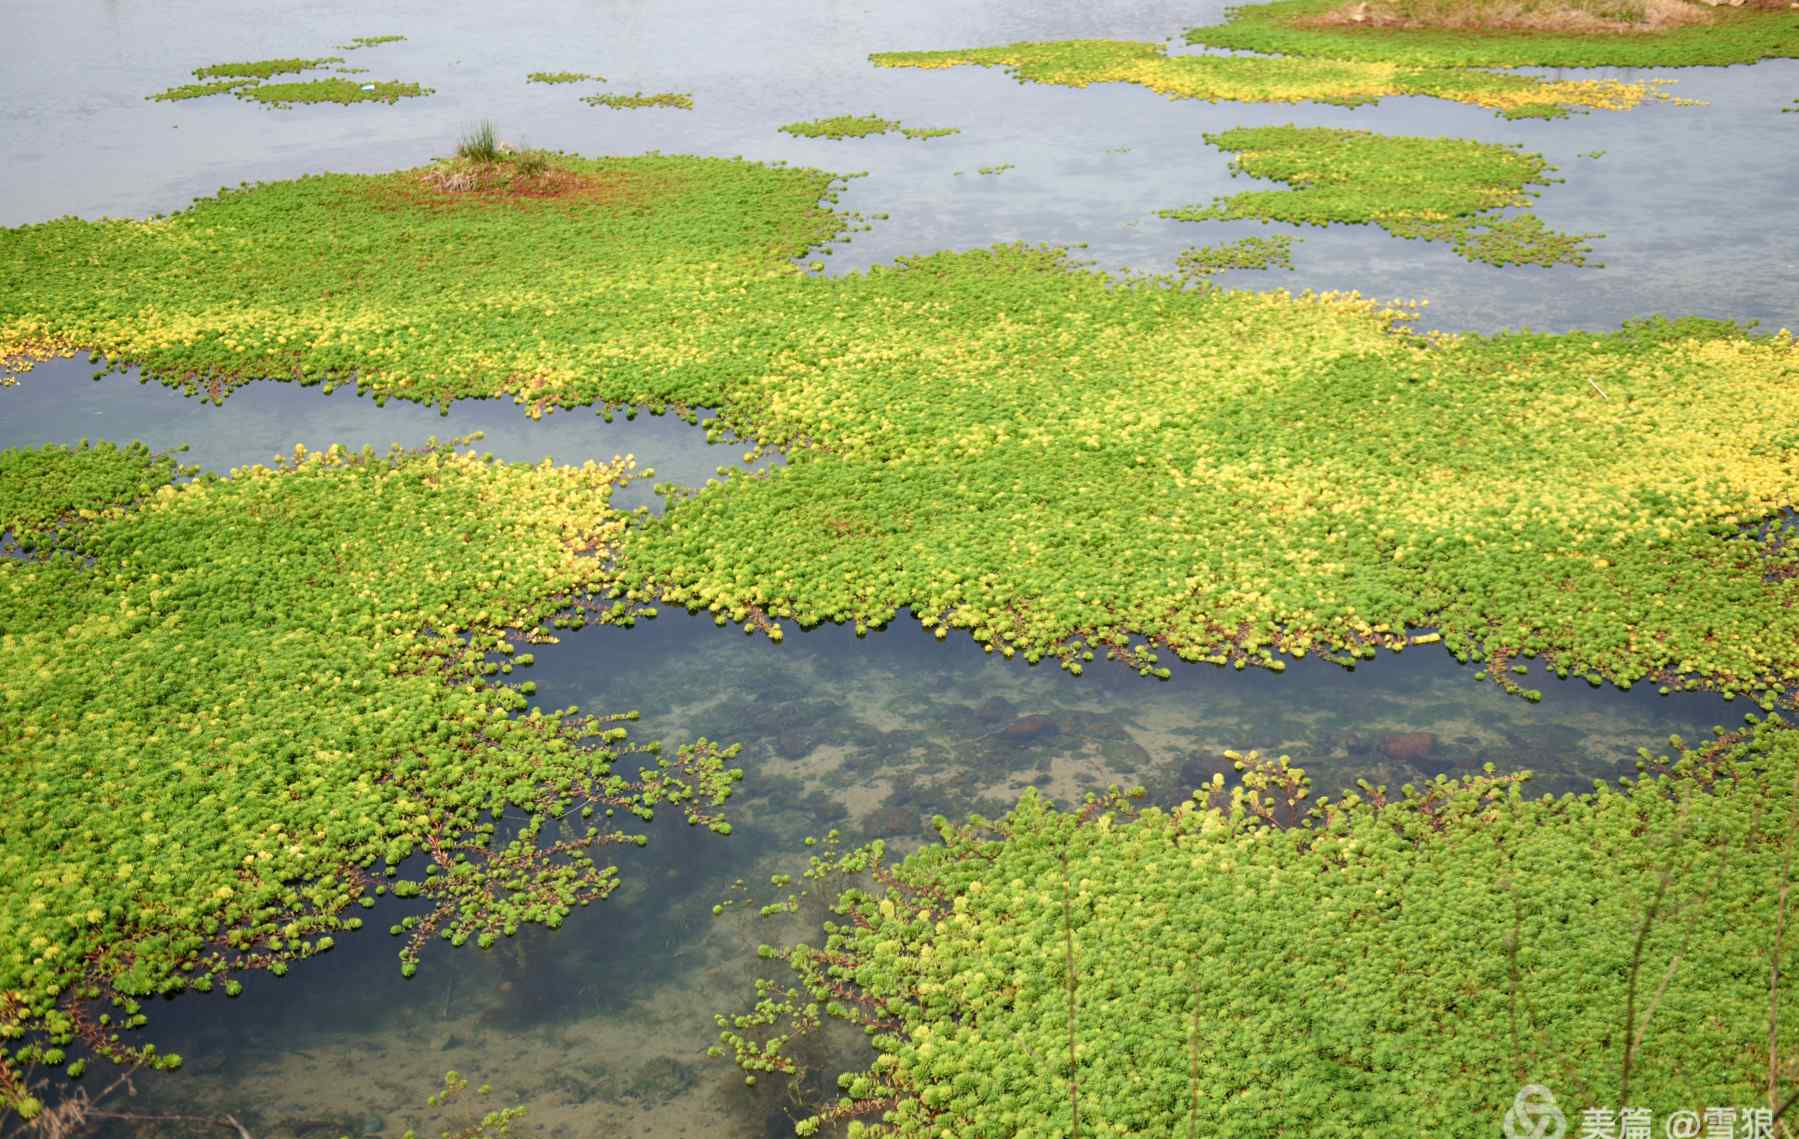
600,1028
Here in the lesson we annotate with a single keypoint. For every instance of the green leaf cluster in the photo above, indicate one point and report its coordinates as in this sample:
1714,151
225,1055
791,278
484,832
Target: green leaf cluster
1248,253
861,126
1057,463
556,77
1252,963
247,80
1261,79
1438,189
673,99
236,707
369,41
1291,28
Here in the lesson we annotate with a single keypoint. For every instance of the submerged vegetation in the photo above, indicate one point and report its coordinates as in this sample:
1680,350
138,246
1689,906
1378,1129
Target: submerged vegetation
1436,34
674,99
238,708
1062,464
1256,963
1248,253
1438,189
1081,63
861,126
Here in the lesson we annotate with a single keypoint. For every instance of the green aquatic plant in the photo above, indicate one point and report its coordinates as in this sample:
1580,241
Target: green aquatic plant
1308,29
1257,963
1438,189
262,68
1248,253
1082,63
198,90
637,99
482,1125
369,41
1050,460
841,126
1000,168
922,133
331,91
556,77
239,708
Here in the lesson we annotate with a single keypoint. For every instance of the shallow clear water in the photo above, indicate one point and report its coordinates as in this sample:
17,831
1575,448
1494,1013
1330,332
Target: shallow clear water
600,1028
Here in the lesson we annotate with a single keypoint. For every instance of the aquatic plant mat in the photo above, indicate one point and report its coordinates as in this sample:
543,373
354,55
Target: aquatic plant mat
1438,189
1250,79
1402,34
1059,464
237,708
249,79
1253,963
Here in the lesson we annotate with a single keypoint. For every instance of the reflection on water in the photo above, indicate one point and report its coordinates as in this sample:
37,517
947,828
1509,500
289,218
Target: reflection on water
600,1028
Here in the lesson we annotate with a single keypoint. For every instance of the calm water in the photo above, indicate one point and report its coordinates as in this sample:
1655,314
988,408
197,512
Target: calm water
600,1028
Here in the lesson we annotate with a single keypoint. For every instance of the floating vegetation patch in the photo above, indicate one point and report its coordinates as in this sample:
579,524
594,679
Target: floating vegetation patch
1050,460
862,126
1001,168
1439,189
237,708
1248,253
1794,107
263,68
556,77
841,126
369,41
199,90
246,80
1325,29
1253,964
637,99
331,91
1081,63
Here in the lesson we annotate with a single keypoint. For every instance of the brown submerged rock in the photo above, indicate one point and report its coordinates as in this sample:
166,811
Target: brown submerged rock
1030,729
1408,747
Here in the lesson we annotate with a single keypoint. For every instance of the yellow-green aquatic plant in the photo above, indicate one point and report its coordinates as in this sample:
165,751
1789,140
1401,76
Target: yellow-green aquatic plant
1252,963
1081,63
369,41
1247,253
1439,189
262,68
1302,29
637,99
344,91
236,709
841,126
1047,459
558,77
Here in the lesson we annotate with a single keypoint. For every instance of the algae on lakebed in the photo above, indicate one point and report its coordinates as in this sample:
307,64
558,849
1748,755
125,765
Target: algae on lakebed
1432,188
294,668
1056,461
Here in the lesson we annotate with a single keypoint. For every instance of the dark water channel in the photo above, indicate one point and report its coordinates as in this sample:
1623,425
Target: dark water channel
600,1028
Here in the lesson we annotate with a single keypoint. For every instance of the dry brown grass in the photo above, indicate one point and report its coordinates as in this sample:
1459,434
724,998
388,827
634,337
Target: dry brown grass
1566,16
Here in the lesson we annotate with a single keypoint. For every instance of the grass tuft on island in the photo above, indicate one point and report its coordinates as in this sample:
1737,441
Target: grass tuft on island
239,707
1466,33
1058,463
1253,963
1436,189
